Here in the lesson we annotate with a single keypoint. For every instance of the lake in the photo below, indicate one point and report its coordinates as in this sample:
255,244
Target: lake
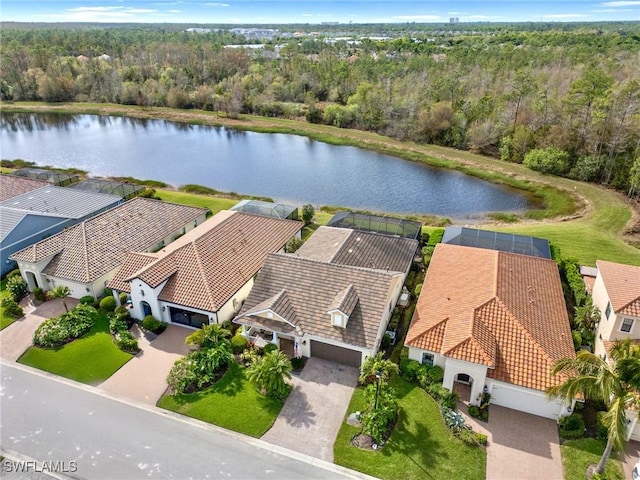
287,168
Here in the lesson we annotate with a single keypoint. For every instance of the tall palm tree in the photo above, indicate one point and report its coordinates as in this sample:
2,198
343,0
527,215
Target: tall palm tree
615,385
374,366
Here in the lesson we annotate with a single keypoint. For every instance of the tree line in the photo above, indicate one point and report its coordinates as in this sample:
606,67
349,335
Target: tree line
562,100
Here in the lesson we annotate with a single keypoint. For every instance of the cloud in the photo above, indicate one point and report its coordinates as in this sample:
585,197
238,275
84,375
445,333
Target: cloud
565,15
216,4
175,11
624,3
453,13
167,4
613,10
307,14
414,18
99,14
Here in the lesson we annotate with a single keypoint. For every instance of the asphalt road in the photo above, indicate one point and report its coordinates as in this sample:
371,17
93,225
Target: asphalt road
94,436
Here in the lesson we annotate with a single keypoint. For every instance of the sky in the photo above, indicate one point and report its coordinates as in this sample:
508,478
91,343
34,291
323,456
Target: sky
317,11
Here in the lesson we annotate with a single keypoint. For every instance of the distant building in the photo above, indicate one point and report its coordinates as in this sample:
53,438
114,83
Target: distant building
454,20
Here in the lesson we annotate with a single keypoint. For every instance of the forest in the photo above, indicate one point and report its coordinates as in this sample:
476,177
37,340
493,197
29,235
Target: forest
562,99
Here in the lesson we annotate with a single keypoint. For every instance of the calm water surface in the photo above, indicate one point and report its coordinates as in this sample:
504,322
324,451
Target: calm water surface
285,167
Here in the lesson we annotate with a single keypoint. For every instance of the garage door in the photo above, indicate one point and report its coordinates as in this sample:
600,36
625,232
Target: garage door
529,402
335,354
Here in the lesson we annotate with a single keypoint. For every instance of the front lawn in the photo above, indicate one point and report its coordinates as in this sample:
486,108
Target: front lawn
578,454
232,403
421,446
5,320
90,359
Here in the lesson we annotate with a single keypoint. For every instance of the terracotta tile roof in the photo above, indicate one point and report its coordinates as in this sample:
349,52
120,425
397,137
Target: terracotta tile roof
498,309
312,286
12,186
133,262
623,286
206,267
96,246
361,249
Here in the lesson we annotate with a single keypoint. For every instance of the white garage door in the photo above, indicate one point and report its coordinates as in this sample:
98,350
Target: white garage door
529,402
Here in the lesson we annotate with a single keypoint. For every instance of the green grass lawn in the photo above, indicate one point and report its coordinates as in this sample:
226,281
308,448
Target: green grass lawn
5,320
421,446
215,204
577,455
90,359
232,403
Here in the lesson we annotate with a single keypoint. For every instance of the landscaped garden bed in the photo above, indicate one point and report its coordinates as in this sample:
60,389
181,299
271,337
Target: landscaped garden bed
90,359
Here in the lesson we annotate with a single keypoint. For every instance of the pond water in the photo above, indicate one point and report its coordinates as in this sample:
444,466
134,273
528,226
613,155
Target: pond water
287,168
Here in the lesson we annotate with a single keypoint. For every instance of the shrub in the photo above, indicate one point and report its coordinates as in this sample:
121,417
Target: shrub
269,347
88,300
470,437
154,325
17,287
376,421
108,304
249,356
117,324
425,237
13,273
11,308
307,213
385,343
39,294
122,311
571,426
107,292
547,160
418,289
208,336
239,343
436,236
473,411
268,374
443,396
123,297
294,244
298,363
57,331
409,369
126,342
182,377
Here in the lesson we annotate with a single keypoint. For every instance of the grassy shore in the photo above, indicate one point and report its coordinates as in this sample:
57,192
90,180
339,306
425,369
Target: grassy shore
585,221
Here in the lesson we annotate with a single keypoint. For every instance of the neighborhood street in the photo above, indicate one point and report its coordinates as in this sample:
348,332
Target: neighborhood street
94,436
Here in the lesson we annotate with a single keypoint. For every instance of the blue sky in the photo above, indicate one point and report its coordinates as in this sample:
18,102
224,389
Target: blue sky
317,11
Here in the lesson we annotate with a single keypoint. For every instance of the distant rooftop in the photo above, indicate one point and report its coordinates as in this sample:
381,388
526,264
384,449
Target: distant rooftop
12,186
504,242
267,209
61,202
50,176
377,224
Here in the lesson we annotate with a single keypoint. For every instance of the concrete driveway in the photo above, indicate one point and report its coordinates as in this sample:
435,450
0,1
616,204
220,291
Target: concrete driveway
521,445
143,378
18,337
312,415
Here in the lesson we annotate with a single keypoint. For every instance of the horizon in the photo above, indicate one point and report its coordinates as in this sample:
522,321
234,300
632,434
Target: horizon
247,12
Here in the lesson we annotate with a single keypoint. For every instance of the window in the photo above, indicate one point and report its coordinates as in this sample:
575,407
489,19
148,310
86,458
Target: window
607,312
627,325
427,359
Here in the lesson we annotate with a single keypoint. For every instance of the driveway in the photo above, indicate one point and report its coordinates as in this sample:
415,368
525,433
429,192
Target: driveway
143,378
521,445
18,336
630,458
312,415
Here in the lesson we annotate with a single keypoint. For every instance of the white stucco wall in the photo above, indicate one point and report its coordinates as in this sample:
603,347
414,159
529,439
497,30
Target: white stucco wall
477,372
526,400
227,311
416,354
141,292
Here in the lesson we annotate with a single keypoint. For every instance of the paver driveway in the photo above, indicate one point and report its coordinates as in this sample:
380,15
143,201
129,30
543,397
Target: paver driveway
521,446
311,416
18,336
143,378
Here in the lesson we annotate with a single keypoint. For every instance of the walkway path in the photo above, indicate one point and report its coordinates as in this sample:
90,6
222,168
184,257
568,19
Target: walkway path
143,378
18,337
311,417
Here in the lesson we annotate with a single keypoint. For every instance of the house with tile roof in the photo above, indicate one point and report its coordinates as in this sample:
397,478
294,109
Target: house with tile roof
332,298
495,322
616,293
12,186
204,276
85,256
39,213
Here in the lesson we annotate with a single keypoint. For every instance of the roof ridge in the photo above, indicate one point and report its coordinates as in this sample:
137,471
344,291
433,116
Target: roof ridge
478,345
424,332
204,276
86,251
382,273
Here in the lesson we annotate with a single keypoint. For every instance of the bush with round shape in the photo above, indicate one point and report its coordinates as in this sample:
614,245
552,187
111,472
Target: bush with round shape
126,342
239,343
11,308
269,347
108,304
154,325
88,300
123,297
39,294
13,273
17,287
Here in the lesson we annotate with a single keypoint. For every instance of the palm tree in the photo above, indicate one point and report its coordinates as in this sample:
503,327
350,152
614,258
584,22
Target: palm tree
208,336
269,372
374,366
586,320
616,386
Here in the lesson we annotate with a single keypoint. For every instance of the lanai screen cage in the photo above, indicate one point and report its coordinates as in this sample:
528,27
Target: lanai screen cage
267,209
53,177
120,189
377,224
505,242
